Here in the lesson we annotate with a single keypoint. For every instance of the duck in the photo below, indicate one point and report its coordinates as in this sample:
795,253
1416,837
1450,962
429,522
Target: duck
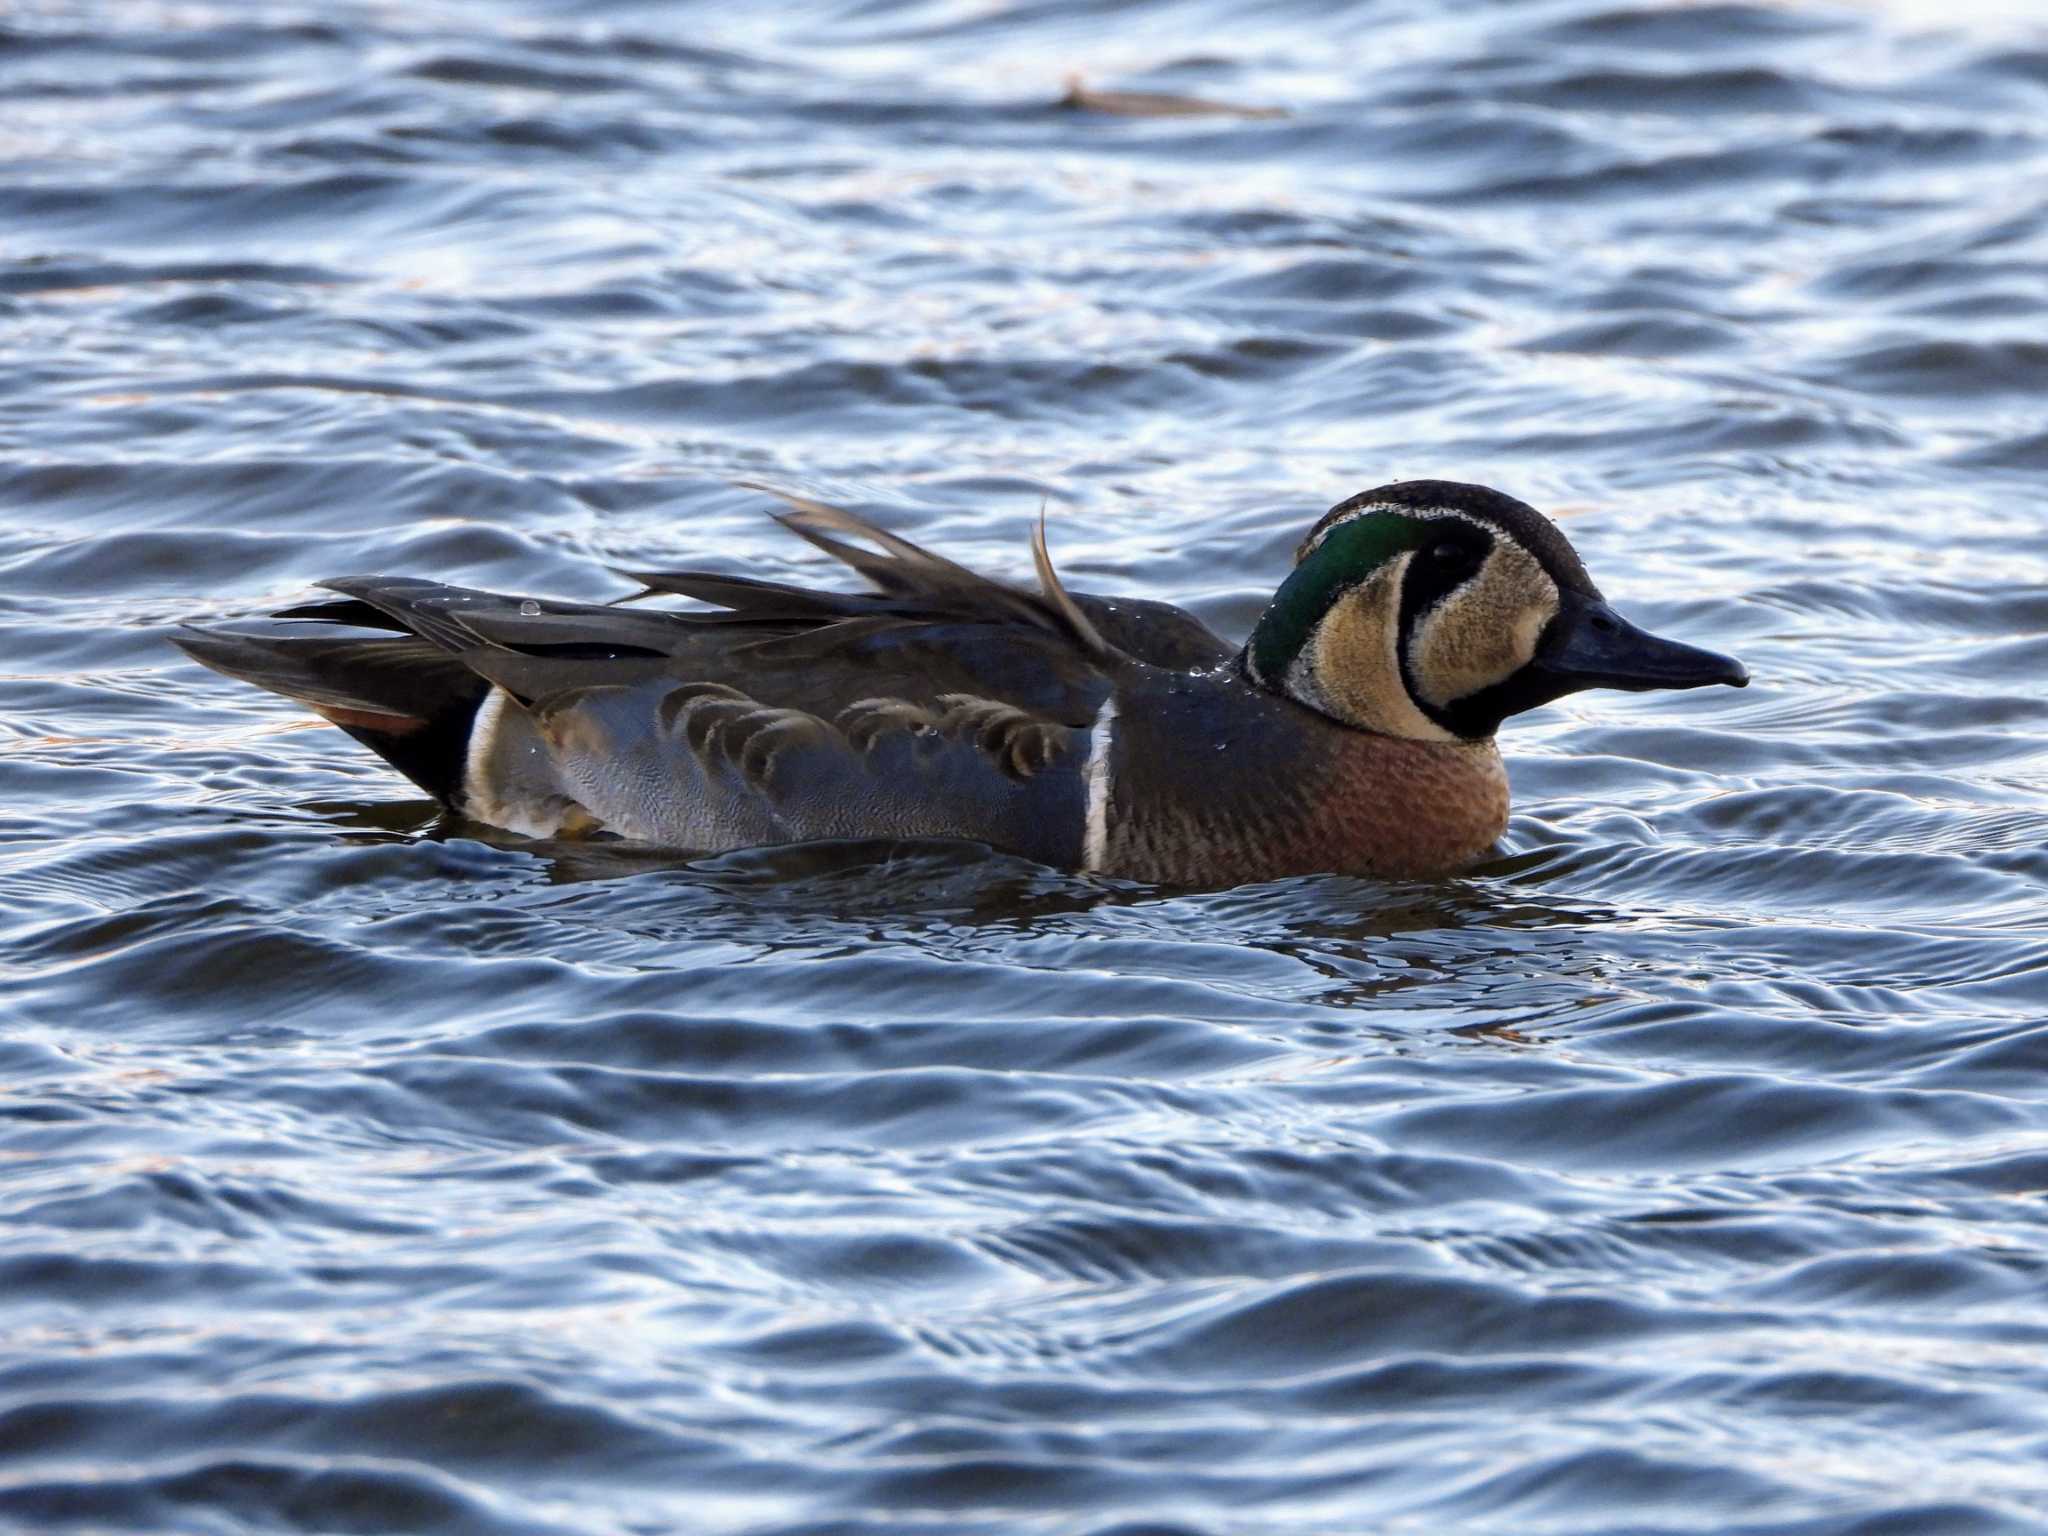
1352,732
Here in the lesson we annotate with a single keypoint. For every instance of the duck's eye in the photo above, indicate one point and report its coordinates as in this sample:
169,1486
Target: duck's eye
1451,557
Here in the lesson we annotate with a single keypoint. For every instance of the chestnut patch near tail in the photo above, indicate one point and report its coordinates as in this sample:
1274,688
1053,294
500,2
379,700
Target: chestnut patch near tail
369,720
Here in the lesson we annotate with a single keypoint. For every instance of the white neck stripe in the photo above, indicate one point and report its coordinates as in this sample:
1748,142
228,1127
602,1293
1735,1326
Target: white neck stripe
1095,837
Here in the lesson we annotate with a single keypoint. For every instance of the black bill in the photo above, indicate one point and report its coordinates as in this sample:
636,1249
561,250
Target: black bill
1589,645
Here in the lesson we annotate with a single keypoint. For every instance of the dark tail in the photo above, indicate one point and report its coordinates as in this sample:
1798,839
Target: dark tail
406,700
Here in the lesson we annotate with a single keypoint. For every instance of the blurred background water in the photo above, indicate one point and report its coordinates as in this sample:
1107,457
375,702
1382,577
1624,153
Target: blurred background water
1683,1170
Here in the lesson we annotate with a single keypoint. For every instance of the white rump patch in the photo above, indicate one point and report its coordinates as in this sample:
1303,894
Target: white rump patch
476,762
507,779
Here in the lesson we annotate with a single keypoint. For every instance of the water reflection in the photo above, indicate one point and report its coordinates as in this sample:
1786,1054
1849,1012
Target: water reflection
1678,1168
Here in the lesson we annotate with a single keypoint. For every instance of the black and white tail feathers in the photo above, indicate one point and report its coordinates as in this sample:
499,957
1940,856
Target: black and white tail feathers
404,698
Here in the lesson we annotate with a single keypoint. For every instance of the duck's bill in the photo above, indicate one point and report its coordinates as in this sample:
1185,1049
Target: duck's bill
1589,645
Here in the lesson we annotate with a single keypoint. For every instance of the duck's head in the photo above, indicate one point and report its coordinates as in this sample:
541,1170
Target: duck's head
1434,610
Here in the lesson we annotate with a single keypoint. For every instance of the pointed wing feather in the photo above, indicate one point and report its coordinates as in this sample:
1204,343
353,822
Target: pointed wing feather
912,583
749,600
934,583
1056,594
457,619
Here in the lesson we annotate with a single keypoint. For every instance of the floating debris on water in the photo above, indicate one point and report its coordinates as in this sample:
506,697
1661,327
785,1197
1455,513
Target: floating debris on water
1081,98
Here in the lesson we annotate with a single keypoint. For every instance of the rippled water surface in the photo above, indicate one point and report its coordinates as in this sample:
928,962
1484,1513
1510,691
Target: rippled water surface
1681,1170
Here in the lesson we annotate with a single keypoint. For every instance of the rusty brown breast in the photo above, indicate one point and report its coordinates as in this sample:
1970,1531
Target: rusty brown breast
1210,781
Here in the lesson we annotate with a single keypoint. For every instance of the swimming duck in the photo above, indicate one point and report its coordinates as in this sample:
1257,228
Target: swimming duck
1353,732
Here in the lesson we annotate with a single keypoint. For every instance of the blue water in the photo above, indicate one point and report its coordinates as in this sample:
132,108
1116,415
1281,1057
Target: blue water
1683,1170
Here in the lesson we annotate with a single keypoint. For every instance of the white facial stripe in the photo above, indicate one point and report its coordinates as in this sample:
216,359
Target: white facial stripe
1310,545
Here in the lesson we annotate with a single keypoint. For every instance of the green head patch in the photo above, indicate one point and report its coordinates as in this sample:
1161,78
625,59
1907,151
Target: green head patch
1345,556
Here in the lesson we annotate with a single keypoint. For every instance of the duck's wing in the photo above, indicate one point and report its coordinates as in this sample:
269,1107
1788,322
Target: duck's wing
911,581
1156,633
941,704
